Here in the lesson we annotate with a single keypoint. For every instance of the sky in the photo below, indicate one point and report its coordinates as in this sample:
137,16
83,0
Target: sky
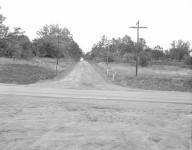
88,20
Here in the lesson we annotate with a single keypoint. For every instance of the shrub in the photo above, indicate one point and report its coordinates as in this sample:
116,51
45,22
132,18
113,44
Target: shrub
157,54
188,60
143,59
129,57
110,58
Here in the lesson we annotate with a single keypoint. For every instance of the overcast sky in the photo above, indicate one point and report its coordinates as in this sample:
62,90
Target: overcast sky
88,20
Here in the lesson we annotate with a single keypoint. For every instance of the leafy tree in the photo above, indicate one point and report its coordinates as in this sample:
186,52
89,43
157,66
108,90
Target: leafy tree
129,57
44,48
100,49
167,53
126,45
19,44
3,29
124,48
75,50
142,44
88,56
157,53
116,47
54,41
188,60
179,49
16,44
144,58
13,44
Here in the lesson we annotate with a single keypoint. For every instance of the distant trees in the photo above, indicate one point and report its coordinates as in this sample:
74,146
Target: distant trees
157,53
188,60
179,49
3,29
144,58
13,43
115,48
43,48
126,45
124,49
54,41
16,44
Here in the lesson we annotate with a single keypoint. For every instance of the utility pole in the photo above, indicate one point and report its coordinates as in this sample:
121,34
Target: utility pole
137,27
108,46
107,56
57,54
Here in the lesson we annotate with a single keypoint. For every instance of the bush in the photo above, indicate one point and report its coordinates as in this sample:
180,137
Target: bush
188,60
110,58
143,59
129,57
96,59
157,54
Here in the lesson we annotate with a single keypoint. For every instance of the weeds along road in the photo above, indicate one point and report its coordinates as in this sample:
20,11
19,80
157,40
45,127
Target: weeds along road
82,111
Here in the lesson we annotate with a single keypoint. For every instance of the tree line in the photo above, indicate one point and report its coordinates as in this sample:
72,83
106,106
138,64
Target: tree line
125,49
53,41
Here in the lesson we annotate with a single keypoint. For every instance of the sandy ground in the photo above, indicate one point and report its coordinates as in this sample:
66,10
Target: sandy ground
83,112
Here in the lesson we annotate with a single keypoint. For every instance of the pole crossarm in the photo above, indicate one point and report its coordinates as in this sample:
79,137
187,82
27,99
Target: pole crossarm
137,27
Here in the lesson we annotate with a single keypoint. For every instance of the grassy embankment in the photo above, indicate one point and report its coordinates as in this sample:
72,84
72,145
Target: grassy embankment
28,72
155,77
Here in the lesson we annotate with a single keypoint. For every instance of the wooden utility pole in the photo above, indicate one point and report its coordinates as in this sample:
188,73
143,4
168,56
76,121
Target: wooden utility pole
137,27
107,59
57,54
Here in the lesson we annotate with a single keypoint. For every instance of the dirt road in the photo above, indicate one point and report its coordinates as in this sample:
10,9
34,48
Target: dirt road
83,76
82,111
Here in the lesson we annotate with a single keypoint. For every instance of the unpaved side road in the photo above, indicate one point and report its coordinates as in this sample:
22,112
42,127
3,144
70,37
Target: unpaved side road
83,76
82,111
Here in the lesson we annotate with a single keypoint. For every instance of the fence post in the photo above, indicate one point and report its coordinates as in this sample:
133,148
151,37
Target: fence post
107,71
114,73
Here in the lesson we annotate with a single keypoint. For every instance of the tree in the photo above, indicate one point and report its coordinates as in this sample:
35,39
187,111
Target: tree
13,44
100,49
126,45
3,33
157,53
75,51
142,45
144,58
88,56
54,41
44,48
52,30
3,29
179,49
117,48
19,44
188,60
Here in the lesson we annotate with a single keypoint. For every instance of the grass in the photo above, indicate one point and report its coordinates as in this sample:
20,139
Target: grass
24,73
155,77
29,71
